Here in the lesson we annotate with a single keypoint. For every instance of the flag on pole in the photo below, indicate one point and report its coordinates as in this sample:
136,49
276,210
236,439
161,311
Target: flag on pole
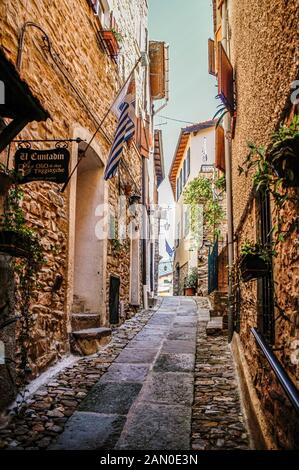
169,250
125,130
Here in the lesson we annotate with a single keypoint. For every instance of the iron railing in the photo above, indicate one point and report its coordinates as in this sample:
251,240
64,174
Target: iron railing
282,376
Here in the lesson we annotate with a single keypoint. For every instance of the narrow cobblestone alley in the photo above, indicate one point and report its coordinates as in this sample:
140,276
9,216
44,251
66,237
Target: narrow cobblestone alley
141,392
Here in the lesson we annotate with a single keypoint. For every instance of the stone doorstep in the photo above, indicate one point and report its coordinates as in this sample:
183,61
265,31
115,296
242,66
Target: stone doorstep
91,340
83,321
215,327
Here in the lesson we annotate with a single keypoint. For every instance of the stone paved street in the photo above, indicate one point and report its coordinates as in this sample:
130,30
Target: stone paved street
38,419
217,421
145,399
139,392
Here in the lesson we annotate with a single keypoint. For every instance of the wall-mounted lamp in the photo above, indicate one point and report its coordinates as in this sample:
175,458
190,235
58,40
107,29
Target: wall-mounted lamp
134,199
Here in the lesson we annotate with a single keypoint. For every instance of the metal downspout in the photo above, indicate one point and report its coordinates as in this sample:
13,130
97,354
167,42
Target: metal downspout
229,195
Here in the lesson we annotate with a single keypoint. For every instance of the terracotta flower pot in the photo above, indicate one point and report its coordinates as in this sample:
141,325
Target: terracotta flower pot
111,42
189,291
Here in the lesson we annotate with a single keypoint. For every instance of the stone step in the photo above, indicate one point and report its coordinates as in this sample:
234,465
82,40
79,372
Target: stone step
215,327
85,320
204,314
91,340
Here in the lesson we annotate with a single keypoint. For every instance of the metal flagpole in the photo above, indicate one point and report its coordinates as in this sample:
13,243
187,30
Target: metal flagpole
99,126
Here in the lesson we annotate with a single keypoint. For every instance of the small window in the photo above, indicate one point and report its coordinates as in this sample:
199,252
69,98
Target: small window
185,172
188,162
204,151
102,10
181,181
177,189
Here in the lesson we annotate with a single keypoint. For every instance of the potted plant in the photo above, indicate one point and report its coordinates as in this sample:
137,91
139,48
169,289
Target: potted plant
16,238
220,183
112,38
191,283
284,153
255,261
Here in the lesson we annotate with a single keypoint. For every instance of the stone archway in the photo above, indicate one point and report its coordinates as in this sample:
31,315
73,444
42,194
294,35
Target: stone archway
87,260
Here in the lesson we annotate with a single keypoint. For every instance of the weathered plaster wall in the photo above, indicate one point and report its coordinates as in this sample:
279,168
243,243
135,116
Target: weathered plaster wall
264,53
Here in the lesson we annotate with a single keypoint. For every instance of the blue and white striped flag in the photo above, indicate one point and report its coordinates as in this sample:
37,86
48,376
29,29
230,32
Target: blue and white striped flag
124,132
170,251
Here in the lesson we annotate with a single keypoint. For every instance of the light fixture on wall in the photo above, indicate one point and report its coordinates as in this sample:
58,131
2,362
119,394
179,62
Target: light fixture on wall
134,201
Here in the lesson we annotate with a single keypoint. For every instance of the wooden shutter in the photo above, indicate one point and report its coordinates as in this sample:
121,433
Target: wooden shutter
157,69
143,137
220,149
225,79
211,50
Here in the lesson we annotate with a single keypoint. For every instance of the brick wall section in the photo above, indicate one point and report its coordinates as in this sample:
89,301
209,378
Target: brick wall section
72,29
265,58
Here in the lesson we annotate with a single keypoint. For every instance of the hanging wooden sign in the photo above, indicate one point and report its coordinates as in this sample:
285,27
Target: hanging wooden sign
42,165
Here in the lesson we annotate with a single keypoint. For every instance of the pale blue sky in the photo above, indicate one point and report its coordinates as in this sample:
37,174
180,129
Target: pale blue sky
186,26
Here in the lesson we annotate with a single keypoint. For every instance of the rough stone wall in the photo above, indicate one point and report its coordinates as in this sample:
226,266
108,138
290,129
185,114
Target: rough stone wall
83,65
183,274
7,334
264,49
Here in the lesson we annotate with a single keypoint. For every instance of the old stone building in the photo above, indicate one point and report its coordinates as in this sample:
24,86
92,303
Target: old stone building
194,157
255,59
63,65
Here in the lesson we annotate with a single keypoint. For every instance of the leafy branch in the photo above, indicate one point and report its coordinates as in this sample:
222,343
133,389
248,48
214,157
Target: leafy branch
200,192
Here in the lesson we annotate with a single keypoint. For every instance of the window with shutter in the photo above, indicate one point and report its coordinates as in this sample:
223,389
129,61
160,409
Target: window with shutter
225,79
188,162
211,50
185,171
177,189
181,181
220,149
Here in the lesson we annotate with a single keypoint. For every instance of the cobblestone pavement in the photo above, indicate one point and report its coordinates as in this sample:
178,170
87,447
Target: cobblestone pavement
145,399
138,393
39,419
217,421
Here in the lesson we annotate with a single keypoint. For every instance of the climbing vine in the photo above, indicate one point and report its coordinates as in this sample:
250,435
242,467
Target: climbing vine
273,171
200,192
25,268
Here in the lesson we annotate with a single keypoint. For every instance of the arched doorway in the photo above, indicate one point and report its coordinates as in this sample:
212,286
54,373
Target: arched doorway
88,266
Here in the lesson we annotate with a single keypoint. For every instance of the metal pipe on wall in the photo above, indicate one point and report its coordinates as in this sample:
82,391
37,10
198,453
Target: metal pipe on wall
229,194
144,234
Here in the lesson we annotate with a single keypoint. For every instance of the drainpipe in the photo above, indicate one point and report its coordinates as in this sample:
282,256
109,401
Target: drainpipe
144,235
229,194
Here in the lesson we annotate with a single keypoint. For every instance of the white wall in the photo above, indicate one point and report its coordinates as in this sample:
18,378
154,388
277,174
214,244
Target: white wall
201,143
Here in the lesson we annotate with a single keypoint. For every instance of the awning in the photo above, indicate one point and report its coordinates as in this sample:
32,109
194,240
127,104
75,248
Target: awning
19,103
159,157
